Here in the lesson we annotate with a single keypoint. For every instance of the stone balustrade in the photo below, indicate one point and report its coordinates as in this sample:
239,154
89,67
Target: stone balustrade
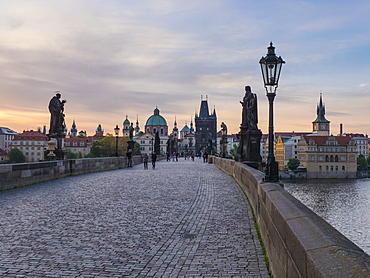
298,242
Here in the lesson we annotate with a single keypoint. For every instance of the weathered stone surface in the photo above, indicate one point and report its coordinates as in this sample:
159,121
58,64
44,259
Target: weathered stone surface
299,243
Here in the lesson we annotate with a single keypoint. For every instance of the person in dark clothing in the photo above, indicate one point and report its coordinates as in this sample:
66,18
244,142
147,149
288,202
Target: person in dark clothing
145,160
154,159
205,157
129,158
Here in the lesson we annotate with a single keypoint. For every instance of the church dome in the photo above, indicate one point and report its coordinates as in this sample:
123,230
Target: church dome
126,122
156,119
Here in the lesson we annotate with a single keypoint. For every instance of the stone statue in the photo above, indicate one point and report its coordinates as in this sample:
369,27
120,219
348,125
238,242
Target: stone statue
223,129
56,109
131,131
249,113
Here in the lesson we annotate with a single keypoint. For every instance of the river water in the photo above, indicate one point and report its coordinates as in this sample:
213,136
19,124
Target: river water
345,204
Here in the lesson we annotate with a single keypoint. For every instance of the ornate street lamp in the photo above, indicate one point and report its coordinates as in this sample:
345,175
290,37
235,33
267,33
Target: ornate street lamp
271,67
116,131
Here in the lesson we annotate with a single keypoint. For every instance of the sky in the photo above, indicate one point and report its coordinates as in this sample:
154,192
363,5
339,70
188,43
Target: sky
112,58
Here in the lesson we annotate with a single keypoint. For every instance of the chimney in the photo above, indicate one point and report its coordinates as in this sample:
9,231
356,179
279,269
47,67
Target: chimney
340,129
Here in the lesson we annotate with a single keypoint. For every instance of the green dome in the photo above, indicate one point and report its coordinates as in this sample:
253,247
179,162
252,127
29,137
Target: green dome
126,122
156,119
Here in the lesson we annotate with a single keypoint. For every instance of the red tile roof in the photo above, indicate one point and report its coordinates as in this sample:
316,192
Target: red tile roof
31,135
321,140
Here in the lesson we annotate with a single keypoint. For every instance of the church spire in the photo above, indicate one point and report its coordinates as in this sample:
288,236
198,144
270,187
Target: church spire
321,126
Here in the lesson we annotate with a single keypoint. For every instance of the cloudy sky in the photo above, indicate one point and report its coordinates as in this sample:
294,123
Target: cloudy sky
112,58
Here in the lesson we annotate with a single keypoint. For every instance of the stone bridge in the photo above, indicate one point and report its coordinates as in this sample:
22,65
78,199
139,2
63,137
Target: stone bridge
182,219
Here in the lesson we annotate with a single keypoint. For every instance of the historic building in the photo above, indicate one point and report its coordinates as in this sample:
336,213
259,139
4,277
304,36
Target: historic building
78,145
6,137
206,127
187,139
362,143
73,132
31,143
126,127
324,155
155,123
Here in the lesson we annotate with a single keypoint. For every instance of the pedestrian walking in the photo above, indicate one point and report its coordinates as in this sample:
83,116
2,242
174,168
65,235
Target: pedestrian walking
129,158
192,156
145,160
154,159
205,157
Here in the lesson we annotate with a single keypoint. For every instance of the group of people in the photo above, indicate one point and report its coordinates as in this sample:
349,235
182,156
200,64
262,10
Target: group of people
175,156
146,160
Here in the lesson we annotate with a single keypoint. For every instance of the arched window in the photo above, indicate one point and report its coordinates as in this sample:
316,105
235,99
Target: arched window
331,168
331,158
336,158
336,168
327,158
343,168
327,168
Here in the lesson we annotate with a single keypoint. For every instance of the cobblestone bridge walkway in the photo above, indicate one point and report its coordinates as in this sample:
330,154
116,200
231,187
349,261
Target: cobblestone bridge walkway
183,219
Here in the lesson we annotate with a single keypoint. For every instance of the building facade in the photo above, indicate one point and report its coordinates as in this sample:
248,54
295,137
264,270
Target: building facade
32,144
324,155
78,145
6,138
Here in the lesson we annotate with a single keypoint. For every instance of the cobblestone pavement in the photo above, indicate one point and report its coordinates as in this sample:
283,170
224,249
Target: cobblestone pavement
183,219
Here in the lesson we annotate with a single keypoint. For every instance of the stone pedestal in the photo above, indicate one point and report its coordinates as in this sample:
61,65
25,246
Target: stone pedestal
130,145
57,145
249,147
223,146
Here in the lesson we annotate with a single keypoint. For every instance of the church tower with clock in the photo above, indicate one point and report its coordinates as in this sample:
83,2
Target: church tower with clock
321,126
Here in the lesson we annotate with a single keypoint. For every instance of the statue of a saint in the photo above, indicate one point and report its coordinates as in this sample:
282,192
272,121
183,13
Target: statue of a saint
131,131
56,109
223,129
249,113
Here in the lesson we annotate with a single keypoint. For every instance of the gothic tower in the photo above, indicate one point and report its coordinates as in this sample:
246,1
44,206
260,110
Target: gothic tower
321,126
205,127
74,129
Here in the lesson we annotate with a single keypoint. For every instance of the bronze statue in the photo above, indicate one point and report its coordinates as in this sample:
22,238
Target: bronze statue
223,129
249,113
56,109
131,131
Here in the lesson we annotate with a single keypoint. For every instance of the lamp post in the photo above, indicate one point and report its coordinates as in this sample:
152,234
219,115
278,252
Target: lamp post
116,131
271,67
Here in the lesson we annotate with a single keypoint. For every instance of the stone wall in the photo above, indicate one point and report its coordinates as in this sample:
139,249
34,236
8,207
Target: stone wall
22,174
298,242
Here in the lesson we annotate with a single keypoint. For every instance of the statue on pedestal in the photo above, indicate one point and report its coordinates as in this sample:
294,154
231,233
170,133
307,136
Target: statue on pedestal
249,135
57,125
223,141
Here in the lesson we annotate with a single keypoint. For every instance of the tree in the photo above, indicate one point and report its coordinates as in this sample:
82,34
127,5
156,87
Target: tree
361,162
95,149
16,156
71,155
233,151
293,163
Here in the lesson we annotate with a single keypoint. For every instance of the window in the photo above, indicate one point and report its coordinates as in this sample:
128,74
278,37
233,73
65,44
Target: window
320,168
331,168
343,168
336,168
